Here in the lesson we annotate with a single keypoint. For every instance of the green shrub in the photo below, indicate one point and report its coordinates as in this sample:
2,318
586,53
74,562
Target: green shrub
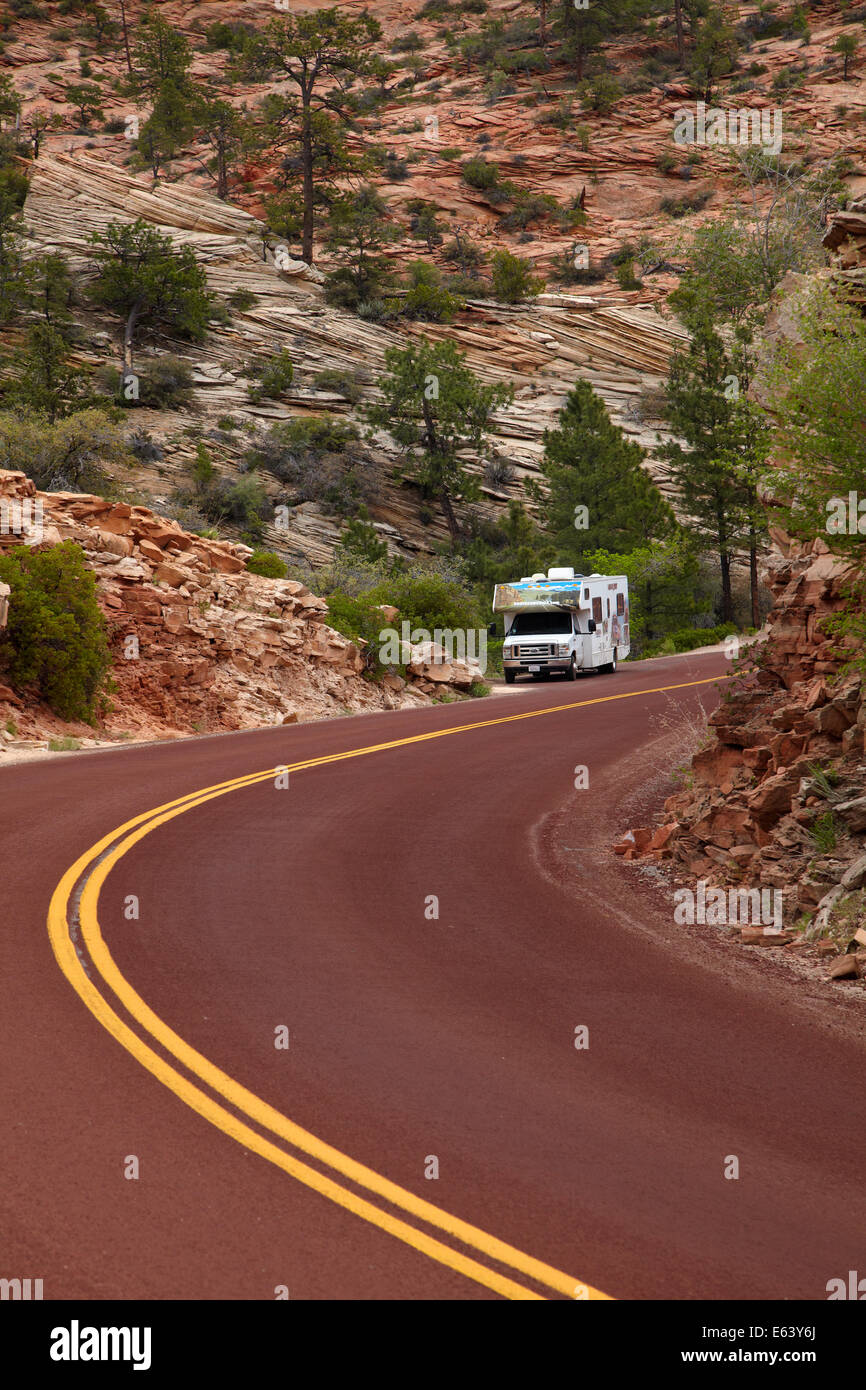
361,621
427,298
626,278
267,563
55,638
480,174
824,833
678,207
513,280
342,383
274,377
166,383
242,300
600,93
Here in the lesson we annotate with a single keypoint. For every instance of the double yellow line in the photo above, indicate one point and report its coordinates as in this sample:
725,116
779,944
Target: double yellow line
89,873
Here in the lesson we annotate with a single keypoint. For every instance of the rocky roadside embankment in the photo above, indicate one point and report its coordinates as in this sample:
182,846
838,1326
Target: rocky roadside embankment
777,799
200,644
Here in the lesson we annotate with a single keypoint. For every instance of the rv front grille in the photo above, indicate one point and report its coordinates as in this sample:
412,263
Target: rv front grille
536,652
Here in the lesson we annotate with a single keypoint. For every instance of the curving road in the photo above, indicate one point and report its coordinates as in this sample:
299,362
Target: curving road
421,926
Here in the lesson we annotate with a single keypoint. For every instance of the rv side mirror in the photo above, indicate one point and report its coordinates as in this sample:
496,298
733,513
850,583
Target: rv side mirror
590,627
491,629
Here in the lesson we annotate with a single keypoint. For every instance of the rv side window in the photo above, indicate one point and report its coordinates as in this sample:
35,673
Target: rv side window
620,604
596,608
608,608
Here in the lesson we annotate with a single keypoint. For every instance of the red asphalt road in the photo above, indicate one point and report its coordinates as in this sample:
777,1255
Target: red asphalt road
411,1037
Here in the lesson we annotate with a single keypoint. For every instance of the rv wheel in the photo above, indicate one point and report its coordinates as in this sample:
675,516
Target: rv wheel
510,677
572,670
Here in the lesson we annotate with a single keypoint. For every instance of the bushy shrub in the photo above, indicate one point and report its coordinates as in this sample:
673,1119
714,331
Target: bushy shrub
513,280
679,207
144,447
69,455
165,383
480,174
427,298
267,563
242,300
55,638
273,377
361,621
315,459
342,383
600,93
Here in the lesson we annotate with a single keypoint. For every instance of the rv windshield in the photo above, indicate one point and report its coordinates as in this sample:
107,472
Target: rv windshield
533,624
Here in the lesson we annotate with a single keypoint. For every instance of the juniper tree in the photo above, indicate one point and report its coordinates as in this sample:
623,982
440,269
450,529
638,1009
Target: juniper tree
436,408
141,275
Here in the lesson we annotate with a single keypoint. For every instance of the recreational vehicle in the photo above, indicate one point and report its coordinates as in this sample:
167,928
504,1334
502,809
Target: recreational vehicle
563,622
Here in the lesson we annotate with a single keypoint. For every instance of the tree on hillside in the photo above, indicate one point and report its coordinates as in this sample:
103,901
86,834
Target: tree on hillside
10,102
435,407
160,74
358,228
43,379
717,471
598,494
142,276
846,45
160,54
815,387
125,31
14,269
734,263
587,29
87,101
322,54
36,125
225,130
332,164
98,25
716,49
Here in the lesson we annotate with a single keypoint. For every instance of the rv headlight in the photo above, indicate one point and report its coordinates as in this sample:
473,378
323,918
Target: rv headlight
563,649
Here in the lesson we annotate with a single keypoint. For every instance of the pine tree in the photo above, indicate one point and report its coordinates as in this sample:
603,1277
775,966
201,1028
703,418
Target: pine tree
714,471
322,54
358,228
598,495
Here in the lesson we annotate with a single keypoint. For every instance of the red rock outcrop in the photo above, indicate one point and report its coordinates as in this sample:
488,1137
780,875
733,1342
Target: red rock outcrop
200,644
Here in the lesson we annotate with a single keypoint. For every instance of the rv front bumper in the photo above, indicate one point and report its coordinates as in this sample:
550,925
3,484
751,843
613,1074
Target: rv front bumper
541,663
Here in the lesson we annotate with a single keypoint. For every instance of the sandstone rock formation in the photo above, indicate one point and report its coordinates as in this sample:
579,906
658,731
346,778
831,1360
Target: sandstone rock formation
200,644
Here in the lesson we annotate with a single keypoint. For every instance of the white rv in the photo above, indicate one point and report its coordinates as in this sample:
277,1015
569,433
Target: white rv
565,622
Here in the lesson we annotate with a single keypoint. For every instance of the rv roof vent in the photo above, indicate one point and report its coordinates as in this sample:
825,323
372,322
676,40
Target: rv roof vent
538,576
560,574
526,579
595,575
